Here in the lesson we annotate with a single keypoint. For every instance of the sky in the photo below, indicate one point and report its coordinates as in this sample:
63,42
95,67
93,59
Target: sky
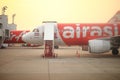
31,13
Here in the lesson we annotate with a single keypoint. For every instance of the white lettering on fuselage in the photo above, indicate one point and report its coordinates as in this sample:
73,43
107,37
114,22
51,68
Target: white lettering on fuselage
17,38
69,31
12,36
96,30
78,30
84,30
108,31
20,35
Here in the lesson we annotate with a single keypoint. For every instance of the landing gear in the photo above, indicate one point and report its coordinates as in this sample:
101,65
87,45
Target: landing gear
115,51
56,47
2,47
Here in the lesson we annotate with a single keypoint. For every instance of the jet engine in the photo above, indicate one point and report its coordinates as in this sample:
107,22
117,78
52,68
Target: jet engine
99,46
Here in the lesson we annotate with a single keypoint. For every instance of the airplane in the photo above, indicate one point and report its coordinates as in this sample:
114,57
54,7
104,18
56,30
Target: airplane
97,37
16,37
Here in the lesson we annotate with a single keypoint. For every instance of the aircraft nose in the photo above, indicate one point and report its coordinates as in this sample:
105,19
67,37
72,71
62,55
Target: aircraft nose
26,37
30,37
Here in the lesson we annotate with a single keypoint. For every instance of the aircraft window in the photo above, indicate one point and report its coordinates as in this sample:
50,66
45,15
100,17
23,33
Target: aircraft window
36,30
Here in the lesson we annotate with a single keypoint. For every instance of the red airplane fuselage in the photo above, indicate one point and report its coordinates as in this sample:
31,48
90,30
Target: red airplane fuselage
16,36
80,34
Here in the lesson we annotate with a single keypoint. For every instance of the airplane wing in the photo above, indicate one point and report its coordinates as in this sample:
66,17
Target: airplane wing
109,38
115,40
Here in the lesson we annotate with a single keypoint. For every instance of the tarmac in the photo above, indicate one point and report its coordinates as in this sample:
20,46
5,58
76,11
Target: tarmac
26,63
